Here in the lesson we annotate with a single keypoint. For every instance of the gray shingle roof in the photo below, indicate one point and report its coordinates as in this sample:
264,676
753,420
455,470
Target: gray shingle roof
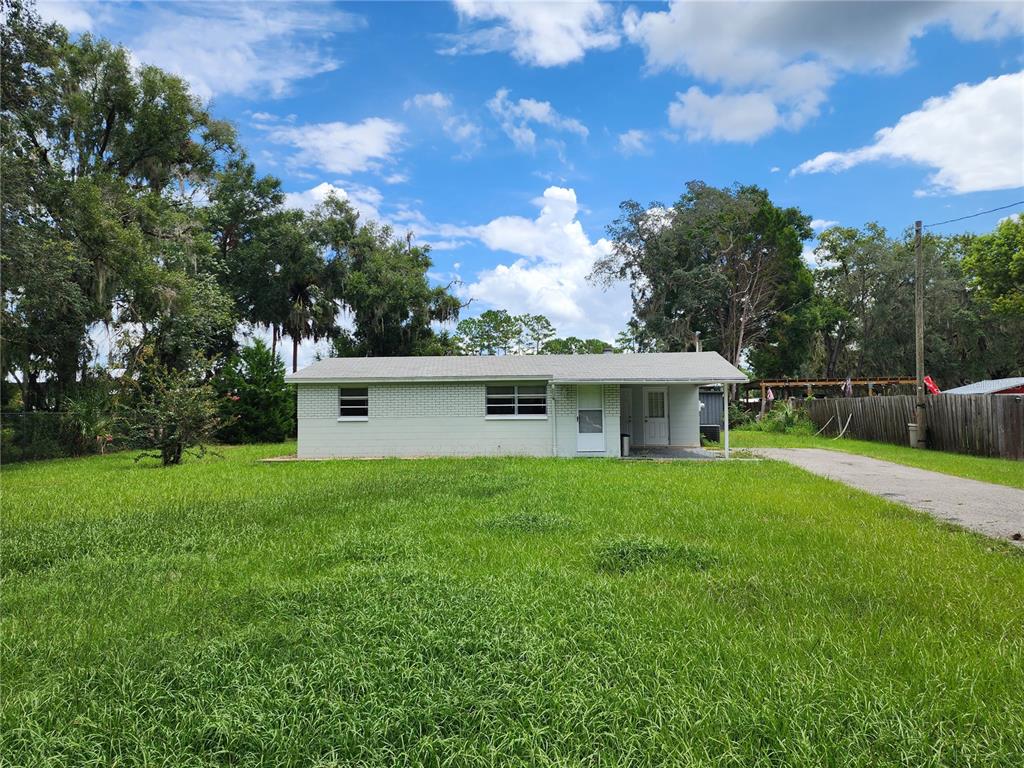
656,366
986,387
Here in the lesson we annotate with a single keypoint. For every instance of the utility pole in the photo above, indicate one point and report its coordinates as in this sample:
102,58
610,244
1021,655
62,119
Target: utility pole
922,423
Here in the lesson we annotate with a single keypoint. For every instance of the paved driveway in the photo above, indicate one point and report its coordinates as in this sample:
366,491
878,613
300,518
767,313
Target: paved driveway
995,510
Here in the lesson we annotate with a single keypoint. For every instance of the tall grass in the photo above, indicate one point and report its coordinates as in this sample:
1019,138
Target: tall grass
495,612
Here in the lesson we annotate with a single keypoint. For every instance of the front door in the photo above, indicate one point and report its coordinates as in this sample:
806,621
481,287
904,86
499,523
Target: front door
655,416
589,420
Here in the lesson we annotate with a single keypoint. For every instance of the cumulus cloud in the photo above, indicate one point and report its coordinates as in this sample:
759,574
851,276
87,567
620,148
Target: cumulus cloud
242,49
550,277
789,54
972,137
516,117
536,33
339,147
366,200
739,117
634,142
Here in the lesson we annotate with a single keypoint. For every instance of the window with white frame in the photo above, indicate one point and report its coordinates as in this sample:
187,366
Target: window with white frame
513,400
353,403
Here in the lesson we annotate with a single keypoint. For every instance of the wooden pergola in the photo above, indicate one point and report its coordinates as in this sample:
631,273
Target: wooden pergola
783,388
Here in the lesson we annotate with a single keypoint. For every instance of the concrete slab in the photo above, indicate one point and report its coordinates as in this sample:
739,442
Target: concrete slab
994,510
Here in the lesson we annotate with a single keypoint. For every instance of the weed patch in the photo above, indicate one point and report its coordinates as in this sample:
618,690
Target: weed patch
625,555
527,522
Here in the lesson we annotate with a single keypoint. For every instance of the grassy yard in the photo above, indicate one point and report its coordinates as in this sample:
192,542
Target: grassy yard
495,612
1001,471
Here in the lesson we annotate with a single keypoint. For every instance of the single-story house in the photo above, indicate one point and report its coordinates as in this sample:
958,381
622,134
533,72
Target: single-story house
1011,386
532,405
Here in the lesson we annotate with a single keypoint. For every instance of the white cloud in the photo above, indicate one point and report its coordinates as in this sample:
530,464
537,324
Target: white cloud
808,255
434,100
541,34
396,178
457,127
341,147
445,245
789,54
75,17
366,200
515,118
740,117
819,225
634,142
242,49
550,278
774,169
973,138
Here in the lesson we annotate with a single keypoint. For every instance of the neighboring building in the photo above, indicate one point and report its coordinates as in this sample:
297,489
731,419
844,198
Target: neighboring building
1014,386
534,405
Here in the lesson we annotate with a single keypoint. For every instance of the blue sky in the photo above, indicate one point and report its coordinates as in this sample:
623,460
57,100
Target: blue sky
506,134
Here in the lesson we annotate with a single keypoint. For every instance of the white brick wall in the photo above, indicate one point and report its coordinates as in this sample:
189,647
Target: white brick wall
415,419
426,419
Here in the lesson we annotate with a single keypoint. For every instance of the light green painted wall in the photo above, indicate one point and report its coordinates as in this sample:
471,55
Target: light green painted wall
684,415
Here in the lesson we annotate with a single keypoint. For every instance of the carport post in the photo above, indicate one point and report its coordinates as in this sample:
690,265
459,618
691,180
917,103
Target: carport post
725,415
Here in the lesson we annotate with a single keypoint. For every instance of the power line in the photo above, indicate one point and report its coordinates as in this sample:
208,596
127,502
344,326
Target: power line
982,213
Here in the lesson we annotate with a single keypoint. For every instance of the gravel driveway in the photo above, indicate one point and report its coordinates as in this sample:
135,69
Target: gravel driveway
994,510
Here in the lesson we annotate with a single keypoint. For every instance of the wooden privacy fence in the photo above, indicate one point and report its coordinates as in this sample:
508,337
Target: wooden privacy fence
983,425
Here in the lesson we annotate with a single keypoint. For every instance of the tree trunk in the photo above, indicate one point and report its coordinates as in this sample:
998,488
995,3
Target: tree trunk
170,454
295,354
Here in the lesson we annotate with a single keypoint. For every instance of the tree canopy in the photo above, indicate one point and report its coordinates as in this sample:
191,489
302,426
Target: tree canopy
724,263
127,204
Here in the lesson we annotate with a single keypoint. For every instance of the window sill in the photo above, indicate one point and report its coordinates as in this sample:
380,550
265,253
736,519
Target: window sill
525,417
353,418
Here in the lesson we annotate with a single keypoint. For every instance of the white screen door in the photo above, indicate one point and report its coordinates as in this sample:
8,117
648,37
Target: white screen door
655,416
589,420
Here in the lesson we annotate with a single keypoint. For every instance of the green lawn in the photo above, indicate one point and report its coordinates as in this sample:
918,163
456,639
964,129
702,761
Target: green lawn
496,612
1001,471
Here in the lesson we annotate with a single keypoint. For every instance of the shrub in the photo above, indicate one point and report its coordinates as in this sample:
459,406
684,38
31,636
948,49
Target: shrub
89,420
739,416
170,413
253,399
785,418
31,436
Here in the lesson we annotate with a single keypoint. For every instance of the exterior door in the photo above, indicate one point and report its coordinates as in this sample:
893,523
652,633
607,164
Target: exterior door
589,420
655,416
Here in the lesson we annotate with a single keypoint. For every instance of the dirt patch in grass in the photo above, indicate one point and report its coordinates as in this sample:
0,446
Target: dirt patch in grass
625,555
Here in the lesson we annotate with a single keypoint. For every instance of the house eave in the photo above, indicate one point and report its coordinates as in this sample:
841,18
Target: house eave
409,379
703,380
